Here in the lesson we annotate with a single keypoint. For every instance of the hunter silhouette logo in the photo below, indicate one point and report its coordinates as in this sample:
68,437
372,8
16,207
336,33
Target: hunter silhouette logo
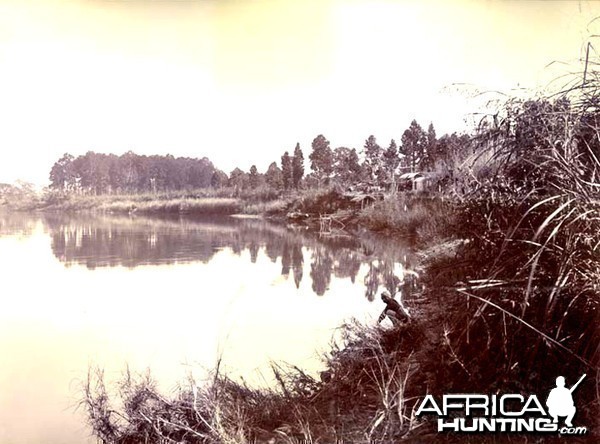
506,412
560,401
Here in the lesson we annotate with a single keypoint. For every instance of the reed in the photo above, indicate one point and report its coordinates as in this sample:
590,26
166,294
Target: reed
521,303
362,396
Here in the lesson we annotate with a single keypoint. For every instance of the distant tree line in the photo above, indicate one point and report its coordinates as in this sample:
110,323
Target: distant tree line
374,165
131,173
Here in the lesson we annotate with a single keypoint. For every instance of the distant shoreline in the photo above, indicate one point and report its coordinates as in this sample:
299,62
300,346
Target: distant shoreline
420,215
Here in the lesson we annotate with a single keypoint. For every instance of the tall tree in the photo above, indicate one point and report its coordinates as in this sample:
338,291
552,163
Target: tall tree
237,179
253,177
391,160
451,150
274,177
297,166
373,159
62,174
286,171
218,179
414,146
346,167
102,173
321,159
430,158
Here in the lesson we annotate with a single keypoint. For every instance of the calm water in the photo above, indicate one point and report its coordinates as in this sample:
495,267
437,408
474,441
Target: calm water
170,295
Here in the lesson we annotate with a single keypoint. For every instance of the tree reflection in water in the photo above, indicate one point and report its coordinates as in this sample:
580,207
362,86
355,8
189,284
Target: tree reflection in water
131,242
14,224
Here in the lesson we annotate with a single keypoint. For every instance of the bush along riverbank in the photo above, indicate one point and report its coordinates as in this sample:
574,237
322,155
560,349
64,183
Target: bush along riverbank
418,215
513,306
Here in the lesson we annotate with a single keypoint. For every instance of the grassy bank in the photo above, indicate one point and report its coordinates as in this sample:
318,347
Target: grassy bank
163,203
425,217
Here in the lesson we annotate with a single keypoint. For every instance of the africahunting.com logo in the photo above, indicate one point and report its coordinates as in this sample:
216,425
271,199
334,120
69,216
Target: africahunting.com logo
506,413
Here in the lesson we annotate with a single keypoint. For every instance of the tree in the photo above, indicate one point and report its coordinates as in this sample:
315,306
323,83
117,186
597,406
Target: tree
450,153
414,146
95,172
115,175
346,168
373,159
321,159
218,179
238,179
286,171
391,160
274,177
297,166
253,177
129,160
430,158
62,174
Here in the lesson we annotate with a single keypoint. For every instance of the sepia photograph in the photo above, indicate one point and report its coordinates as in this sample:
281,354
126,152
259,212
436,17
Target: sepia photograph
299,221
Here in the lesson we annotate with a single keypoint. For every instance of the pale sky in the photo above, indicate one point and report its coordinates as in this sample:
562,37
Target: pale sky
240,82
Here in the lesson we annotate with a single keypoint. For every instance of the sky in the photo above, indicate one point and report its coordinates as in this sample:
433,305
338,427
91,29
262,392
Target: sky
241,81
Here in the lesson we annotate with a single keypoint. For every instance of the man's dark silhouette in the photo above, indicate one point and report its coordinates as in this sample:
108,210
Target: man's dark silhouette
393,309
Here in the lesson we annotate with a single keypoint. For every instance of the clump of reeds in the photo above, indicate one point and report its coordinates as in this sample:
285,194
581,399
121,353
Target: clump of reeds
206,205
363,395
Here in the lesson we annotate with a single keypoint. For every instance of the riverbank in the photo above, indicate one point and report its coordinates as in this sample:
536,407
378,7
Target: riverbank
420,216
482,321
373,380
465,336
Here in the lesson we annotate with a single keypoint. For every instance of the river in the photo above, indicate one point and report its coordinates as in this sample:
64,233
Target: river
170,295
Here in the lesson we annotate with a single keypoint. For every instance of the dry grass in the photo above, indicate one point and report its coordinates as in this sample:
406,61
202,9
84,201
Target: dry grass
425,217
148,204
363,397
272,207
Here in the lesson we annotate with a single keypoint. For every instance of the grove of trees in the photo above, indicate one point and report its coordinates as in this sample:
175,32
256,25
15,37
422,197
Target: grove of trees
97,173
373,165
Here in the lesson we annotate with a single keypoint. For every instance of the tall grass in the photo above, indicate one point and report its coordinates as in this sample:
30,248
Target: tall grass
526,308
363,396
146,204
426,217
201,201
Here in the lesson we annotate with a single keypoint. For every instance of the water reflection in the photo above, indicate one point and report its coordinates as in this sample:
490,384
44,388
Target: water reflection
15,224
132,242
173,295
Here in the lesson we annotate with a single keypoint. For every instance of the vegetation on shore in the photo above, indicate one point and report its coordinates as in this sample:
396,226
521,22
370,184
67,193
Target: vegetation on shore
360,398
405,213
19,196
172,203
